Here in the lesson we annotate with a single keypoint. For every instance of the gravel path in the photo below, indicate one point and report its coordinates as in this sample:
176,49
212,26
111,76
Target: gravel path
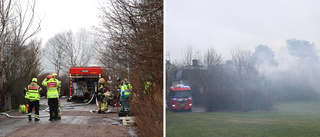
76,121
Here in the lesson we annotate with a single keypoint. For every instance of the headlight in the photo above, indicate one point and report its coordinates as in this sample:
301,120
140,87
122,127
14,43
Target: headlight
173,105
190,104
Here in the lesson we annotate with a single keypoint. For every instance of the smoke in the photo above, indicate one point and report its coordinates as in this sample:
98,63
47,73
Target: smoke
295,75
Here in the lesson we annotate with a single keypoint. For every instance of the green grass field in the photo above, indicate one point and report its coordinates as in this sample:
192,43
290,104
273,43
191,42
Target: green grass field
291,119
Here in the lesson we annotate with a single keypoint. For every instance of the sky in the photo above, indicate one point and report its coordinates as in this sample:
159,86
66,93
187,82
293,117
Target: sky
226,24
62,15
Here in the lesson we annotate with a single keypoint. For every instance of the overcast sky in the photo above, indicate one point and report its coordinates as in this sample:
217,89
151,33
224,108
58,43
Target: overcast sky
224,24
62,15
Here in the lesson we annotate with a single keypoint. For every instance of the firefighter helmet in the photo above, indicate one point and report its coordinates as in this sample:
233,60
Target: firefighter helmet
118,79
34,80
55,75
49,77
101,80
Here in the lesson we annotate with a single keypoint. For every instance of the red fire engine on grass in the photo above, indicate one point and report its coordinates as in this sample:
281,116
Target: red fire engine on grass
180,98
88,75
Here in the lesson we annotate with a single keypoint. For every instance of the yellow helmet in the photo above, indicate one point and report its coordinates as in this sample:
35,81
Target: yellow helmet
101,80
55,75
34,80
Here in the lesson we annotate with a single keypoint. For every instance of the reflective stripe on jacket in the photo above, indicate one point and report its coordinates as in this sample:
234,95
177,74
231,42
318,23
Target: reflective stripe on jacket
33,92
52,87
125,90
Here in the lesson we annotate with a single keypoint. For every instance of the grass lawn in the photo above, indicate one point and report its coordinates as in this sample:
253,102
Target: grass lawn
291,119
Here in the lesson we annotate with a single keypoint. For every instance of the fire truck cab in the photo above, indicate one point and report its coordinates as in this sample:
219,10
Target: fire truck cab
179,98
88,75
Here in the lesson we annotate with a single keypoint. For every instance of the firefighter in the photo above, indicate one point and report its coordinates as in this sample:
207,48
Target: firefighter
100,96
148,86
117,88
85,92
55,75
32,93
128,85
125,97
106,101
52,85
108,97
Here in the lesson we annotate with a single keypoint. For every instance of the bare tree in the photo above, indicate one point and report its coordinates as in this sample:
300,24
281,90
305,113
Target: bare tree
78,48
66,50
212,58
245,69
131,36
187,56
17,28
54,53
5,9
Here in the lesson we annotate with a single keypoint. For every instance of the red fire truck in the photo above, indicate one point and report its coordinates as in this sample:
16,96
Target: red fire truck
88,75
179,98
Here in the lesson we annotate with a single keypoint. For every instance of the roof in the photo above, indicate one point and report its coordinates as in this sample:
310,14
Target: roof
179,88
85,70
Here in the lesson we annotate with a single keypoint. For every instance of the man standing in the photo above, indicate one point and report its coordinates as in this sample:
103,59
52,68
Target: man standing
52,94
55,75
128,85
100,96
85,92
125,97
32,92
117,88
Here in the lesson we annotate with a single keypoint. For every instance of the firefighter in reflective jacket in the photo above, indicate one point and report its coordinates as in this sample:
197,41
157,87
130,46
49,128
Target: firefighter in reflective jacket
85,92
52,85
125,97
128,85
106,101
100,96
148,85
32,93
55,75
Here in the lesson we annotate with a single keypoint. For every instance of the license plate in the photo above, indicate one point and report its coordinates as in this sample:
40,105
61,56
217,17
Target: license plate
182,105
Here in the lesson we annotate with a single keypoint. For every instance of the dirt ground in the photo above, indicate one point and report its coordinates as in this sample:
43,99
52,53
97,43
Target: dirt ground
77,120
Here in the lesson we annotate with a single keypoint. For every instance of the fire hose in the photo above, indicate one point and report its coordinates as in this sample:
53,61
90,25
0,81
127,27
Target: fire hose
47,109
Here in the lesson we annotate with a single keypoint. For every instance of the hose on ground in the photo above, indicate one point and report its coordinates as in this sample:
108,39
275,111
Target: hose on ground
47,109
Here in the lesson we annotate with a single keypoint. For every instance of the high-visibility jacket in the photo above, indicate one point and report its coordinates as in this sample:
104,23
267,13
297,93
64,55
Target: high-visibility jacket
147,88
100,89
125,90
59,86
52,87
128,86
33,92
100,93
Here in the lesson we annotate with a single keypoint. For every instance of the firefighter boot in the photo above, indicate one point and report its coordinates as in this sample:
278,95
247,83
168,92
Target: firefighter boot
102,112
29,117
36,119
99,112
